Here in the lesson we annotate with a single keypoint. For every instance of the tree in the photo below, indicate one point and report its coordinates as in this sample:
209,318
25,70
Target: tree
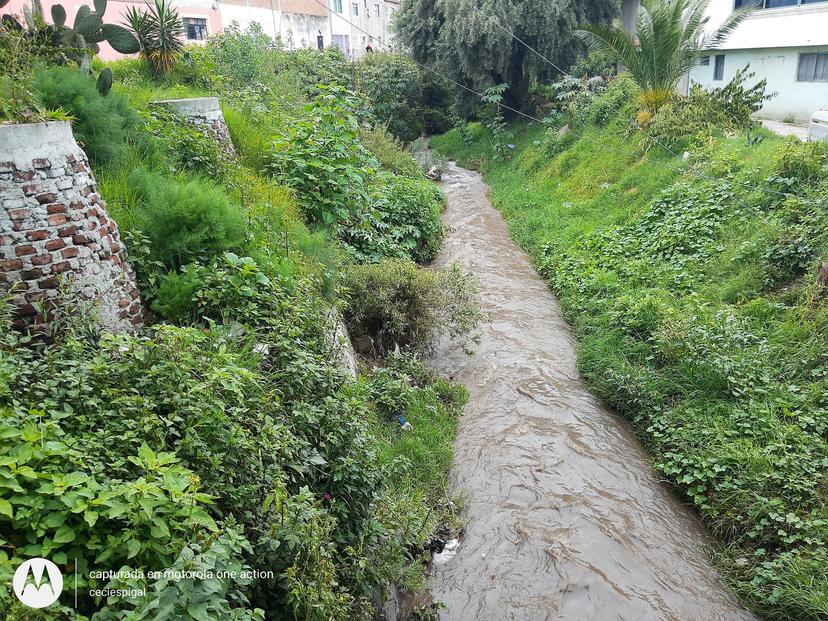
668,37
469,40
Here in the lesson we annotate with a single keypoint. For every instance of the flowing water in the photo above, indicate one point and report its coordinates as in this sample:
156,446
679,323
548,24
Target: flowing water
565,519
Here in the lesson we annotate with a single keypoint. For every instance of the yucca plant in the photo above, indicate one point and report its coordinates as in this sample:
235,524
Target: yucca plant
159,32
669,35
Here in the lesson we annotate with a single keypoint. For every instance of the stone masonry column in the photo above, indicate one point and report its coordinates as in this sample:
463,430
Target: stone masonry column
206,115
58,245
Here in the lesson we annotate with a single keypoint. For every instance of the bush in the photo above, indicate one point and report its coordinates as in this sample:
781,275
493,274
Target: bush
242,57
393,86
397,304
311,67
403,221
595,63
725,109
187,147
101,123
323,160
390,152
185,220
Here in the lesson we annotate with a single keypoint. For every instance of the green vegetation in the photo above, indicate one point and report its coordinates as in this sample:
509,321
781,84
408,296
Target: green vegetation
695,291
668,37
226,435
470,42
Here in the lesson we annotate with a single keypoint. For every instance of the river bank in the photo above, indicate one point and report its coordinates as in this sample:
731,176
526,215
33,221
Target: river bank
693,288
565,518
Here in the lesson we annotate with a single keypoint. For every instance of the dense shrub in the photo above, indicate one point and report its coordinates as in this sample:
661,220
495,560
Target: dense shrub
397,304
185,220
311,68
403,220
724,109
392,85
187,147
391,154
101,123
242,57
323,160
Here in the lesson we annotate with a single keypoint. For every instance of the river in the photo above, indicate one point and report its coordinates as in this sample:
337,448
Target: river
565,519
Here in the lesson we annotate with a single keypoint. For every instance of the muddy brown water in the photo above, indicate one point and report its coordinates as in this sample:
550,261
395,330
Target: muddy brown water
565,519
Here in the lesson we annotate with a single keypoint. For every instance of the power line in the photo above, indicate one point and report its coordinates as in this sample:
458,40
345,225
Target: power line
551,126
617,109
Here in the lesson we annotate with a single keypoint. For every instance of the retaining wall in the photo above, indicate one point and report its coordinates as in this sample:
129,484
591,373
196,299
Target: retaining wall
56,236
206,115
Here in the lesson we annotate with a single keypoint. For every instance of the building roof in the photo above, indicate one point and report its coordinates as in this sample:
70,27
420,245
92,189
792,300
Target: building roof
796,26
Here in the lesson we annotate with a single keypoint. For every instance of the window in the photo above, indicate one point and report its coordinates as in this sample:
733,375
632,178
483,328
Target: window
320,42
718,70
704,61
773,4
355,8
195,28
337,5
813,67
377,9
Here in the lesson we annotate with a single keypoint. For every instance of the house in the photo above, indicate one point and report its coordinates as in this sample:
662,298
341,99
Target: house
200,18
298,23
358,24
350,25
783,41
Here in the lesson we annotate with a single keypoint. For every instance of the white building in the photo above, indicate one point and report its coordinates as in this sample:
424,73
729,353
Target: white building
784,41
299,23
358,24
350,25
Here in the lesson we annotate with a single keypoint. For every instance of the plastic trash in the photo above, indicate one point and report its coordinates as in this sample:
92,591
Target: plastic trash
448,553
404,424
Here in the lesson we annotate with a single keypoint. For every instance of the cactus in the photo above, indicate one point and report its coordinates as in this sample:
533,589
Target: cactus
85,34
105,81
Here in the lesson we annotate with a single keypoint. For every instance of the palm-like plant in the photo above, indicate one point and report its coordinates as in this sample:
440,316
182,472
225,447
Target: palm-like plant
159,32
669,35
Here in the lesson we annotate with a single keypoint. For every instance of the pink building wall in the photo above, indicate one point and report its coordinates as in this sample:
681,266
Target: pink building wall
115,10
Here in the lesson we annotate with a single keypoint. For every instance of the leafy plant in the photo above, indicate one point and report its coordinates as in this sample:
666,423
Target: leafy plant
102,123
668,35
158,31
503,139
189,149
393,85
323,160
403,221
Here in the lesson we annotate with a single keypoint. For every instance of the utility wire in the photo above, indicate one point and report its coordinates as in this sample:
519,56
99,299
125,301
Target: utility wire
618,110
545,123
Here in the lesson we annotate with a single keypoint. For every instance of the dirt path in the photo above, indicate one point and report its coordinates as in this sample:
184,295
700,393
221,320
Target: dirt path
565,518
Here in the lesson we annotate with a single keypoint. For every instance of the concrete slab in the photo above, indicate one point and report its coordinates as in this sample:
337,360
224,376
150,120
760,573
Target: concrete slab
787,129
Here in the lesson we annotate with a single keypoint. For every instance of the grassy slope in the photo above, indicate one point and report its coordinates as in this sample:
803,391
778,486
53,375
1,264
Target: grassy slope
274,215
720,372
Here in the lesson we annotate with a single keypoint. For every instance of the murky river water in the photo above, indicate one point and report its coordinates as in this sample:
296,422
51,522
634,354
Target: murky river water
565,519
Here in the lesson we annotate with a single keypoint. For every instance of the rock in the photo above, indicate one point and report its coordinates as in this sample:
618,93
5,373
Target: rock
340,342
364,345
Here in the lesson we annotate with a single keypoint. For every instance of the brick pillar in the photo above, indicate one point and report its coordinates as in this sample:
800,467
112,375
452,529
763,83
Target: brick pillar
56,236
205,114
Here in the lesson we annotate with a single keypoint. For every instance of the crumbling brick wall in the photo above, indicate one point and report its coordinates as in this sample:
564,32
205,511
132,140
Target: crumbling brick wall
58,245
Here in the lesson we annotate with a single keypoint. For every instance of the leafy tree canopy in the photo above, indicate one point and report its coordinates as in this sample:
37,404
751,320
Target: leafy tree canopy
469,40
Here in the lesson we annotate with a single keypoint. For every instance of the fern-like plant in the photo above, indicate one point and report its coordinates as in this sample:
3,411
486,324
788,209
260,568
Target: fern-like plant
669,35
